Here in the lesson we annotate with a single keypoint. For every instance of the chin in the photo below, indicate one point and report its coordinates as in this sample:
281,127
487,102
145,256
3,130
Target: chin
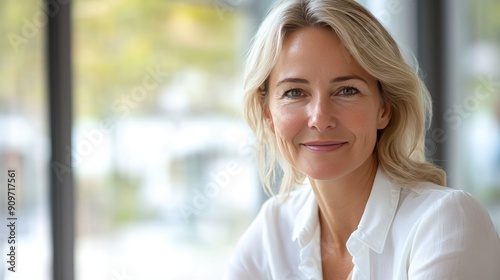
325,173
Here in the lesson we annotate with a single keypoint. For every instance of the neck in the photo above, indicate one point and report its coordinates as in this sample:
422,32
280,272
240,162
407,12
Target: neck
342,202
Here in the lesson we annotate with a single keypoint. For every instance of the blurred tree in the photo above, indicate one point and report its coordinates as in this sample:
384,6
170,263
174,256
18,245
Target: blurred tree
116,40
484,19
21,57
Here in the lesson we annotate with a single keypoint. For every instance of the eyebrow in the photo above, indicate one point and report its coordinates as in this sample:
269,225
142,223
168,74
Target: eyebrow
332,81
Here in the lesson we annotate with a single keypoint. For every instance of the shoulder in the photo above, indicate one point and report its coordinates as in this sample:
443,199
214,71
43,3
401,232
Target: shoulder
268,236
286,208
459,213
443,206
451,234
426,198
278,215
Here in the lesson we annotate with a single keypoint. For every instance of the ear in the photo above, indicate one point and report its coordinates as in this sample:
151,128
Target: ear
265,106
384,115
269,119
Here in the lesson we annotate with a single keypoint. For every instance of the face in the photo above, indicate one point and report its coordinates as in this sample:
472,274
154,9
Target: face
323,108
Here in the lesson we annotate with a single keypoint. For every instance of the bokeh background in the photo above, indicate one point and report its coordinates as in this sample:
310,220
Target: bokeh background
164,173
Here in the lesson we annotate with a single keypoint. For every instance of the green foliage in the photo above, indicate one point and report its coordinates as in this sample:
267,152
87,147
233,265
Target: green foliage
484,20
115,41
126,204
490,195
22,80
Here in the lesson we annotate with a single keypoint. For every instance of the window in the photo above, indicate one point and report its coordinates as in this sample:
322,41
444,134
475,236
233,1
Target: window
474,113
24,141
165,176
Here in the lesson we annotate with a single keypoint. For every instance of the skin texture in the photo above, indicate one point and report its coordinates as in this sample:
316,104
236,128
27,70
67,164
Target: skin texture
325,110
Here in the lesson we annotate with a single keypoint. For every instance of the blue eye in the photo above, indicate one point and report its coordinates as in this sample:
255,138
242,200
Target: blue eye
348,91
293,93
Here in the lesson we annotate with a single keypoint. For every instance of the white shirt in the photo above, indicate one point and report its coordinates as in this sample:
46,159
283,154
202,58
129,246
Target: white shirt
425,232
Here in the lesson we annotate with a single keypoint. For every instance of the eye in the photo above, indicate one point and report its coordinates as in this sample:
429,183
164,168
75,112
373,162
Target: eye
293,93
348,91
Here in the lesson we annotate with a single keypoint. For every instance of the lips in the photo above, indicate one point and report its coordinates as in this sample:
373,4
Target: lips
323,146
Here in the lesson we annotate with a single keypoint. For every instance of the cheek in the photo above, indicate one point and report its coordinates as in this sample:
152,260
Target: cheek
287,128
364,125
287,124
284,126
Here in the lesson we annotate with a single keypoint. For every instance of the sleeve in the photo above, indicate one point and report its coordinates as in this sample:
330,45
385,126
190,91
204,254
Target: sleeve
250,260
455,239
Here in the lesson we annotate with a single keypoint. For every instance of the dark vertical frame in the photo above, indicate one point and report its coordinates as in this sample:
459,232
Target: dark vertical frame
431,55
60,103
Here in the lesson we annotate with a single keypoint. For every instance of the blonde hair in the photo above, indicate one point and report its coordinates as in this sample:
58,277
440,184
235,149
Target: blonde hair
400,148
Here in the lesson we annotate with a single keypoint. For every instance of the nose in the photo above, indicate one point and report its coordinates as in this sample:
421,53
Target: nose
321,114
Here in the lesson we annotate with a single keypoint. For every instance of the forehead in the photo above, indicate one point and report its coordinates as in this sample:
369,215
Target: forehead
313,38
315,51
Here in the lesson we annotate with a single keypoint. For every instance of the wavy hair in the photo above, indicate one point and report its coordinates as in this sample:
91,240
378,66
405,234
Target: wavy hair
400,149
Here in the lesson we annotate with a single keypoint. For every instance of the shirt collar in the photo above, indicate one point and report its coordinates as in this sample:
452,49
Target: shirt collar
306,220
375,222
306,232
372,230
378,215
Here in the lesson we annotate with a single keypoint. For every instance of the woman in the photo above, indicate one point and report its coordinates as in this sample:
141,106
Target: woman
332,101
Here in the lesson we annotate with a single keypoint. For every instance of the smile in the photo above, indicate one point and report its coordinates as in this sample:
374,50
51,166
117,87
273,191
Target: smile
323,146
